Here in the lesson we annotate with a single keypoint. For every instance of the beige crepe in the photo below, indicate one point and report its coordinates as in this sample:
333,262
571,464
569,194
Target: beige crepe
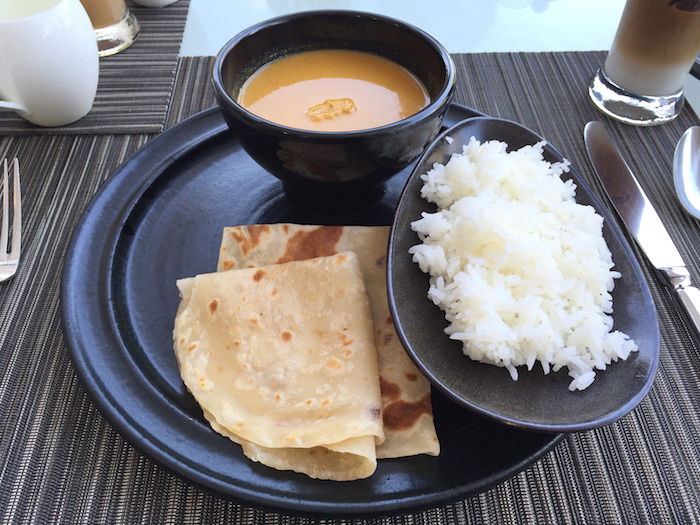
406,405
282,360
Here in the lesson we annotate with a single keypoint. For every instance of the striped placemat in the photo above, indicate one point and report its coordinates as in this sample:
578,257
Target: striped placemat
135,85
193,76
60,462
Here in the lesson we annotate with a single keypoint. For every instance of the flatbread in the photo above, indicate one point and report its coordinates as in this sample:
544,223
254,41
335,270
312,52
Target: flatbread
282,360
406,405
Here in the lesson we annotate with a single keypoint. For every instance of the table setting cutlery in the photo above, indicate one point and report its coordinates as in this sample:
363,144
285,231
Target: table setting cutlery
686,171
9,256
641,219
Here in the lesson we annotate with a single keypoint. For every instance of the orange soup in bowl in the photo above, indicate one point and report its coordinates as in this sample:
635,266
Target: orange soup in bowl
333,90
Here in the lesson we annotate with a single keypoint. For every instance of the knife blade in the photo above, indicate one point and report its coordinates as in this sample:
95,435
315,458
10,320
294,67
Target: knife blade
639,216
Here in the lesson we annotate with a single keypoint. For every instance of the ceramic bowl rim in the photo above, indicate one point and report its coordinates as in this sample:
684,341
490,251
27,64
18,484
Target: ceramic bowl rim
435,105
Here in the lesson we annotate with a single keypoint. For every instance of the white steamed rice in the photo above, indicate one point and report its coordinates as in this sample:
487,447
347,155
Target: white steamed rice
521,270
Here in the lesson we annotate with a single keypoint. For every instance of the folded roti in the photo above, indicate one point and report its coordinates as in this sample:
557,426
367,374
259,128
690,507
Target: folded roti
406,405
282,360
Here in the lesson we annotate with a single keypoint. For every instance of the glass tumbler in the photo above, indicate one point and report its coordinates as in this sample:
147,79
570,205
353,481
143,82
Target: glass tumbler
655,46
115,26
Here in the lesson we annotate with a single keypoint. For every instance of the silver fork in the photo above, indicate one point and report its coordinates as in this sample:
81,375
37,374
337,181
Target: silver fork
9,260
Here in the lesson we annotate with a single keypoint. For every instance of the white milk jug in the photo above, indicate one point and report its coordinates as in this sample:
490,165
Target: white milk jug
48,60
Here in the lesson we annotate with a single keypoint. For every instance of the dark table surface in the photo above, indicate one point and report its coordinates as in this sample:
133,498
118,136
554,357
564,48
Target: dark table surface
61,462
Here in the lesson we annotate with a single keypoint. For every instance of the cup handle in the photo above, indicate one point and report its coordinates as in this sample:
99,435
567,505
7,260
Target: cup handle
12,105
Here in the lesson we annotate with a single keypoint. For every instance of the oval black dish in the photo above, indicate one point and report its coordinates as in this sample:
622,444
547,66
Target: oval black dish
536,401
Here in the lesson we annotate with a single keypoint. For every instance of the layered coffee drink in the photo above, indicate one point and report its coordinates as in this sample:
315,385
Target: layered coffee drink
115,26
104,13
655,46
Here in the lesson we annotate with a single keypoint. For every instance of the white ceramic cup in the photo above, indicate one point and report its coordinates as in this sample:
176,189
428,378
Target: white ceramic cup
48,60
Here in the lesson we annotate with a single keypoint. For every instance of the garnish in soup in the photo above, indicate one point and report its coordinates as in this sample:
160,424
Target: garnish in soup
333,90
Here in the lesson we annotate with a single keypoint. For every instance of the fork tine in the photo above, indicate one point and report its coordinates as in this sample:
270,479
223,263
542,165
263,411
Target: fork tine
4,224
16,213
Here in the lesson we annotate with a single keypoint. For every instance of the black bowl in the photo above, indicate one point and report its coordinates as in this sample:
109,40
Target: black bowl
536,401
334,170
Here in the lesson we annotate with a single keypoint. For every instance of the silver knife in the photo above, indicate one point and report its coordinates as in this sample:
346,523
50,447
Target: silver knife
642,221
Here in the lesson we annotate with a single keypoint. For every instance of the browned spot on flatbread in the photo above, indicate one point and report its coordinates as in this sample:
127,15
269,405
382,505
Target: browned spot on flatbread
214,306
387,339
411,377
182,340
389,320
333,364
344,339
286,336
389,390
255,231
228,265
251,238
258,275
401,415
192,347
319,242
381,261
285,228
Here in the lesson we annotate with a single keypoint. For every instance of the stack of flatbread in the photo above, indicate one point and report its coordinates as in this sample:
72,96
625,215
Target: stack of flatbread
291,352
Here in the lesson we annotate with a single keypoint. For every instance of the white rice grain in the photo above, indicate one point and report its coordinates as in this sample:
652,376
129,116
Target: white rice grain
520,269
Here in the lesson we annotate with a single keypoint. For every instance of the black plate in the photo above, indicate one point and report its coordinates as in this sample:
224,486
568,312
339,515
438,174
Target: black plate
159,218
535,401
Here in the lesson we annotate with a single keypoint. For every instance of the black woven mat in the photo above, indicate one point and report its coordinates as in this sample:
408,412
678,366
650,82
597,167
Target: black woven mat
134,88
60,462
